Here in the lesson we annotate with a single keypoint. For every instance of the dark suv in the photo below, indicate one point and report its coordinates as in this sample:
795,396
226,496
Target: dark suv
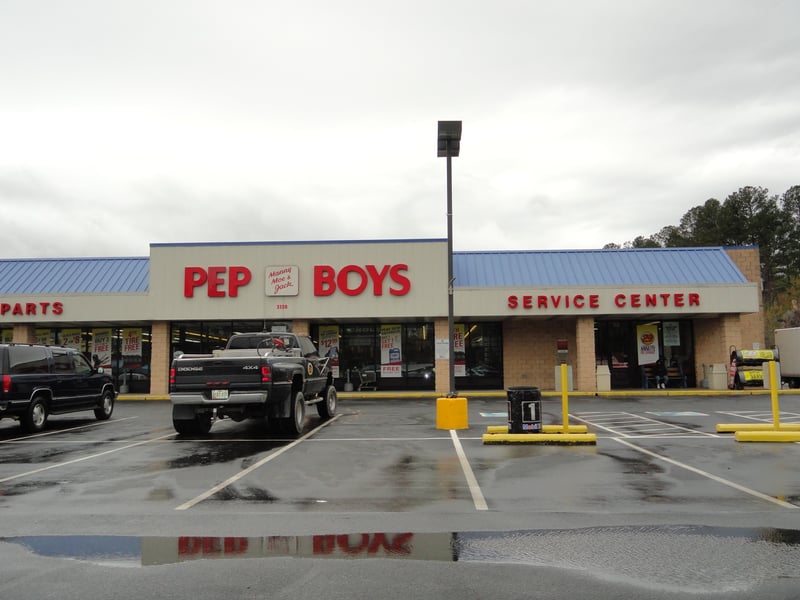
37,381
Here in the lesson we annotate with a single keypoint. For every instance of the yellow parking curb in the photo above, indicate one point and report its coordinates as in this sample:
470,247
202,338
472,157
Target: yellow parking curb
734,427
540,438
767,436
545,429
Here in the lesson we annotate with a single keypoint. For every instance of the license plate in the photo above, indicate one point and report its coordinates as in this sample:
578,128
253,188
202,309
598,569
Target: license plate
219,394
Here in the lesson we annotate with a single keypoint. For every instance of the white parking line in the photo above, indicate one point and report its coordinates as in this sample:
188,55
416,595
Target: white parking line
253,467
628,424
761,416
25,438
83,458
721,480
474,489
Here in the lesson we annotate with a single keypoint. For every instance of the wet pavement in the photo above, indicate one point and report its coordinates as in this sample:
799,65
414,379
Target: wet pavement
661,504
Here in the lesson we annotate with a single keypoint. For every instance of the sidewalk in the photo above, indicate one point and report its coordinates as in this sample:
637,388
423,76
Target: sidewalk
400,395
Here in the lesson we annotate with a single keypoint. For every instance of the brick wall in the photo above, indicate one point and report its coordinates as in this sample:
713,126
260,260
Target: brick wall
529,352
442,366
160,359
584,372
301,327
714,337
752,325
24,334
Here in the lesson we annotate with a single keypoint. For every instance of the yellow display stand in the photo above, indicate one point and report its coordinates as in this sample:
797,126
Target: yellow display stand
765,432
451,413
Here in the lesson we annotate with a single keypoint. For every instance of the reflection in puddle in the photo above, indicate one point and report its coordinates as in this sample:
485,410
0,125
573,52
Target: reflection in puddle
532,547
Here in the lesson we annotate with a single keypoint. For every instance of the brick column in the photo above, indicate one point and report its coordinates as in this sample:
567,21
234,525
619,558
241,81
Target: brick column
160,358
24,334
442,366
751,325
713,341
585,379
301,327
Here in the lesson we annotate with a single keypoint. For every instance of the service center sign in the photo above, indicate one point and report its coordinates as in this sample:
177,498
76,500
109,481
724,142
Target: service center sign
284,280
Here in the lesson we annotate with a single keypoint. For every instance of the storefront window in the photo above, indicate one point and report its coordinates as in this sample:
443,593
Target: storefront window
203,337
124,352
383,356
482,356
418,345
618,345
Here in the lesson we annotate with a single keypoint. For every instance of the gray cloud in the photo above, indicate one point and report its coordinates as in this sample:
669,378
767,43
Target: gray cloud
585,122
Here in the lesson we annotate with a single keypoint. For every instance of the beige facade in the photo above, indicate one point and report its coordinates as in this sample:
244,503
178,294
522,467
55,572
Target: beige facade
401,282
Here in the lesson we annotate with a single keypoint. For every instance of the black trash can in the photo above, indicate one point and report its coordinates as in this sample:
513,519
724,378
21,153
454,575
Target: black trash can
524,410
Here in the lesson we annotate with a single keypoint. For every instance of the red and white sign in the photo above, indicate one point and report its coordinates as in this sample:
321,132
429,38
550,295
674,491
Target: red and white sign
282,280
391,351
31,309
595,300
218,282
354,280
329,346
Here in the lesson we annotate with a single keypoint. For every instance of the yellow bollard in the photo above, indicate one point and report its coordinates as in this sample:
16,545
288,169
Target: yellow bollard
451,413
774,385
564,399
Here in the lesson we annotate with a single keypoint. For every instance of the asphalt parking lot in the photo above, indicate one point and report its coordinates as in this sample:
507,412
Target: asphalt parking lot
381,468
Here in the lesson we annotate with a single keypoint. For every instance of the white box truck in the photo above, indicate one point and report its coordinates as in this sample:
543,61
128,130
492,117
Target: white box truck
788,343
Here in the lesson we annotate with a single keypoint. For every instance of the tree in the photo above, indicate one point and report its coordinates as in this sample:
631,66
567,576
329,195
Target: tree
747,217
788,249
751,217
644,242
701,224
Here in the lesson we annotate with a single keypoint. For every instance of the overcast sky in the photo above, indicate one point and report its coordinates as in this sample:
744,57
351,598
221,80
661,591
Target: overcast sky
125,123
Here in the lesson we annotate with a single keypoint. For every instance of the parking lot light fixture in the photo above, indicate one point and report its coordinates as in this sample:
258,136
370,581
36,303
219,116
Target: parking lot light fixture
449,145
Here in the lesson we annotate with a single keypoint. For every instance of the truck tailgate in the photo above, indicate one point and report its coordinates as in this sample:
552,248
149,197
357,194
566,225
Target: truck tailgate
214,372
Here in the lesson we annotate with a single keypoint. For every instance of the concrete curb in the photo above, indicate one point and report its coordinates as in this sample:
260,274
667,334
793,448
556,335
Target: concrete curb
431,395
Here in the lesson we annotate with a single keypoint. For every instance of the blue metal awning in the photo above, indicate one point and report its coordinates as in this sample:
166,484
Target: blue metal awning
639,266
74,275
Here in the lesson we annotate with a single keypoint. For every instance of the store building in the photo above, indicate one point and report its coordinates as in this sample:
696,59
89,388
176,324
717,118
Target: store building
380,307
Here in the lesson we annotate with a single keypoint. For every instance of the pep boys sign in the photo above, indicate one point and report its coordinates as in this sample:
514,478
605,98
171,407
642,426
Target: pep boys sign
283,280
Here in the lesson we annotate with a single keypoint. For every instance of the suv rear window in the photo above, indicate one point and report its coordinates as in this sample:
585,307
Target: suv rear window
23,360
62,362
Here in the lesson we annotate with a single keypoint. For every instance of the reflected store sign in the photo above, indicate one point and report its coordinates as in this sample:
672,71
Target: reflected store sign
403,545
283,280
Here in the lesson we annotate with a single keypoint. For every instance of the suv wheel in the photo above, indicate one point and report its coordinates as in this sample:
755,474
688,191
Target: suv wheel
106,406
36,416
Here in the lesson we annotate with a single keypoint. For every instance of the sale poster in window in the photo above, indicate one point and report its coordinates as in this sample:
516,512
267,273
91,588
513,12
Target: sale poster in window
132,348
647,343
329,346
391,351
101,348
44,336
672,333
71,338
459,350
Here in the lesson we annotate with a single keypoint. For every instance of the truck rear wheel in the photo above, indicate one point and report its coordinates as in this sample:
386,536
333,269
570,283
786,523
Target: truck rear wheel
199,425
294,424
327,408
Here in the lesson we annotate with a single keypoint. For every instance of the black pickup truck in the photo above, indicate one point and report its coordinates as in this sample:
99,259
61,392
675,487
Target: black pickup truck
267,376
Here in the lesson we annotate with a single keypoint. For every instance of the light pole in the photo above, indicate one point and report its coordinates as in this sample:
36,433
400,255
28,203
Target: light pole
449,145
